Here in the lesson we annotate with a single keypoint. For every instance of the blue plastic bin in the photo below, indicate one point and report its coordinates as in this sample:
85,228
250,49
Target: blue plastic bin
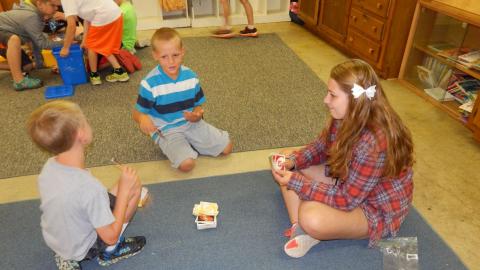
72,67
59,91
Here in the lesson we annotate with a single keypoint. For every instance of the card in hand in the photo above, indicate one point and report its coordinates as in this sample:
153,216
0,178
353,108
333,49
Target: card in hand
277,161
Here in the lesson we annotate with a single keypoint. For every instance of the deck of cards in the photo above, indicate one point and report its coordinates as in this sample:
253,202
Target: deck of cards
206,215
277,161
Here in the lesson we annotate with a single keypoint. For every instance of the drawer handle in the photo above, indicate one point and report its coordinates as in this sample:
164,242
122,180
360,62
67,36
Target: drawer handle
350,39
371,51
379,5
374,29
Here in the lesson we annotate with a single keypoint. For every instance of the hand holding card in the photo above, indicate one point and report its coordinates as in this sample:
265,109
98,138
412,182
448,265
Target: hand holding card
278,162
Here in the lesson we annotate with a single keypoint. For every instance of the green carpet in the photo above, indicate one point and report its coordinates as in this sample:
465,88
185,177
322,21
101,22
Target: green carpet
256,89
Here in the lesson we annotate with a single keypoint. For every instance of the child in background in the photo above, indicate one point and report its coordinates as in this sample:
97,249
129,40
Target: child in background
26,63
103,26
169,106
24,24
355,180
77,220
129,35
226,30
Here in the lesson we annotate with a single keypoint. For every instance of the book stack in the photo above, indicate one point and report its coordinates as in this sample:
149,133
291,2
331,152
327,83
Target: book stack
463,87
432,73
469,59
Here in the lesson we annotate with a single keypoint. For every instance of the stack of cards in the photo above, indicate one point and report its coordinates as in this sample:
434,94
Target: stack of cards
206,215
277,161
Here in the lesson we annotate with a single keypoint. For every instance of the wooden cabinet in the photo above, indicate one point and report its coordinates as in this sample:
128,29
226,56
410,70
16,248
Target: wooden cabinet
474,121
373,30
309,11
432,65
333,18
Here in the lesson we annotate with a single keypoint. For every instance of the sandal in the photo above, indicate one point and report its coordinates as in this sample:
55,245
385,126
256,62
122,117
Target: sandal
27,83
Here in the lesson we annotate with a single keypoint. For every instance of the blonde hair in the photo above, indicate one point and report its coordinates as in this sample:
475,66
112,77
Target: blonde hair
376,114
165,34
54,126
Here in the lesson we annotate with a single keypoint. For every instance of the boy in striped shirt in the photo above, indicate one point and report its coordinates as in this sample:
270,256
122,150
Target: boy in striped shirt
169,107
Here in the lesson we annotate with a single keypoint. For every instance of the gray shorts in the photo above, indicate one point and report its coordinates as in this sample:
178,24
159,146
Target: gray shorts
191,140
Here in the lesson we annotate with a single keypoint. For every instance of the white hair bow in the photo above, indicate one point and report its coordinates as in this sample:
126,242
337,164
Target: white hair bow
357,91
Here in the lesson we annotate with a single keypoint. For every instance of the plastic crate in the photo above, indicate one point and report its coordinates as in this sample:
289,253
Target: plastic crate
59,91
72,67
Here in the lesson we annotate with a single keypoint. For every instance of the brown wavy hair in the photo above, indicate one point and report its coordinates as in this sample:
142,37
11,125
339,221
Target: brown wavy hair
375,115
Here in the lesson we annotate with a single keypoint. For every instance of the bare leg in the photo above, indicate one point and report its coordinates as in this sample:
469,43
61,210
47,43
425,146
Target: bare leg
226,12
248,10
292,203
113,60
92,60
134,198
14,58
317,173
187,165
228,149
323,222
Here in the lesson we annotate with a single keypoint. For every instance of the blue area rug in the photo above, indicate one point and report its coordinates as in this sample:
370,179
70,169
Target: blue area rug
249,233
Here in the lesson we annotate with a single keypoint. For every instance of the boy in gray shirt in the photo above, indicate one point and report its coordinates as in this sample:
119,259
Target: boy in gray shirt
21,25
77,220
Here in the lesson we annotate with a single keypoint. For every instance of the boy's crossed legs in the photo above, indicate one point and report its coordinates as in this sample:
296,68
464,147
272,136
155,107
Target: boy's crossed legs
182,148
124,248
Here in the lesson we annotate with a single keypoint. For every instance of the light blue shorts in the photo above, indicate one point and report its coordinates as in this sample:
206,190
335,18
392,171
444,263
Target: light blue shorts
192,139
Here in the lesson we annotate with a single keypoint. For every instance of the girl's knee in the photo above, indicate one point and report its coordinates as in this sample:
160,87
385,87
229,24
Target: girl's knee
311,221
187,165
228,149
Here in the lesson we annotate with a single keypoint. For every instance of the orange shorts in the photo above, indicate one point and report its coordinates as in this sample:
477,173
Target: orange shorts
106,39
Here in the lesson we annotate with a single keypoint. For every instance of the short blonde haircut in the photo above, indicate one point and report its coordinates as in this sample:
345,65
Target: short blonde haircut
165,34
54,126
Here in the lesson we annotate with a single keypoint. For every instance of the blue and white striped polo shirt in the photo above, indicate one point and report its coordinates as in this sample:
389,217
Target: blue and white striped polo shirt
165,99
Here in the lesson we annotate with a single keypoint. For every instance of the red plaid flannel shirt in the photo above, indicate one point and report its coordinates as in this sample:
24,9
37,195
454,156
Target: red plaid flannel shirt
385,202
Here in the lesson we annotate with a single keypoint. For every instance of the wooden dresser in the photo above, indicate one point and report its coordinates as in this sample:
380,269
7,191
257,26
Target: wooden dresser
373,30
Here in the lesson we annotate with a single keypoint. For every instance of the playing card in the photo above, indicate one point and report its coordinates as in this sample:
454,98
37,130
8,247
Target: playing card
277,161
143,197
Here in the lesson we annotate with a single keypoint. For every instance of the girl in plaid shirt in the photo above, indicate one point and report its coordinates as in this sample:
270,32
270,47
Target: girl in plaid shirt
355,180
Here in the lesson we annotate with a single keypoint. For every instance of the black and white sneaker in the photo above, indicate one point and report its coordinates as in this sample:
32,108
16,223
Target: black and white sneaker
63,264
247,32
127,247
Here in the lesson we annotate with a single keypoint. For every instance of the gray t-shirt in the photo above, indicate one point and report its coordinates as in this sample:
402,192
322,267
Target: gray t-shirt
73,204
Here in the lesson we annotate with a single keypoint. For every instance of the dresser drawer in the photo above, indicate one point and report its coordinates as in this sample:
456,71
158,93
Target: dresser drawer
366,24
363,46
379,7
